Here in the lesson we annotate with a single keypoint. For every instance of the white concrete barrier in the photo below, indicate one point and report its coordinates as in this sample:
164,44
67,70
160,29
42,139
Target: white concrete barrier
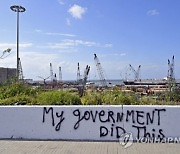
88,122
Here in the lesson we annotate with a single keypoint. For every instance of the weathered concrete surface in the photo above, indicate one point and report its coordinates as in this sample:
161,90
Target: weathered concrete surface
69,147
100,123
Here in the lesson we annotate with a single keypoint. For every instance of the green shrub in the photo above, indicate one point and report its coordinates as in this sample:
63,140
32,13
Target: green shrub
58,98
92,98
19,100
114,97
16,89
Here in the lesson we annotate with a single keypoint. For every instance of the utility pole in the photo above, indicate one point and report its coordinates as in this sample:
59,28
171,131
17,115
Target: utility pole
17,9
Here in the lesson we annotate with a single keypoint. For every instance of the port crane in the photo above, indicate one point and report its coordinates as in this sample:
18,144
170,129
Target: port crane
52,75
60,74
136,72
78,73
82,82
171,69
86,73
51,72
100,71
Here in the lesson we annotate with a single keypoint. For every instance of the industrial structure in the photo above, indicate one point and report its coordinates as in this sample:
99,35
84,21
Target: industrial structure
100,71
78,74
51,72
82,82
171,75
136,72
60,74
20,77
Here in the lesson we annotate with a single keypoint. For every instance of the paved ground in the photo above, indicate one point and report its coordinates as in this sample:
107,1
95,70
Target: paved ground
69,147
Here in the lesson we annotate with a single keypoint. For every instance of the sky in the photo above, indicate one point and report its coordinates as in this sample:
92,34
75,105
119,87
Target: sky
65,32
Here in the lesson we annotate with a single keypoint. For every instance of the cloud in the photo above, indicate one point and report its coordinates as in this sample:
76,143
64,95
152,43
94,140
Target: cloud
108,45
60,34
71,44
77,11
4,46
112,54
153,12
33,63
38,30
123,54
68,21
61,2
54,33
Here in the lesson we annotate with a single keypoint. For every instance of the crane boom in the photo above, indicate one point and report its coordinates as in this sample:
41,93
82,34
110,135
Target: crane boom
78,73
136,73
100,71
82,82
171,69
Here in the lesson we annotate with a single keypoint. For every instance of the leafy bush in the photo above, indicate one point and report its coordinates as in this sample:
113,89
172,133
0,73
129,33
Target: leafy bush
18,93
19,100
58,98
16,89
92,98
114,97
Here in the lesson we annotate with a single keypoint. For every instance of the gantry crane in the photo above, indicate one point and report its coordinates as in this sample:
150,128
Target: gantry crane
100,71
136,73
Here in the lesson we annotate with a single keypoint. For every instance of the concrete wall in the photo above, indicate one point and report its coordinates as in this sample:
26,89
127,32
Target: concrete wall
88,122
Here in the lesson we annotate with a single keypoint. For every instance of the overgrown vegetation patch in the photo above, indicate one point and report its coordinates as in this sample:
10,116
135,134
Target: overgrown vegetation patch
22,94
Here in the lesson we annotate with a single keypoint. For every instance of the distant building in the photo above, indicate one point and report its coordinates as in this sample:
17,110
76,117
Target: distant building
7,74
